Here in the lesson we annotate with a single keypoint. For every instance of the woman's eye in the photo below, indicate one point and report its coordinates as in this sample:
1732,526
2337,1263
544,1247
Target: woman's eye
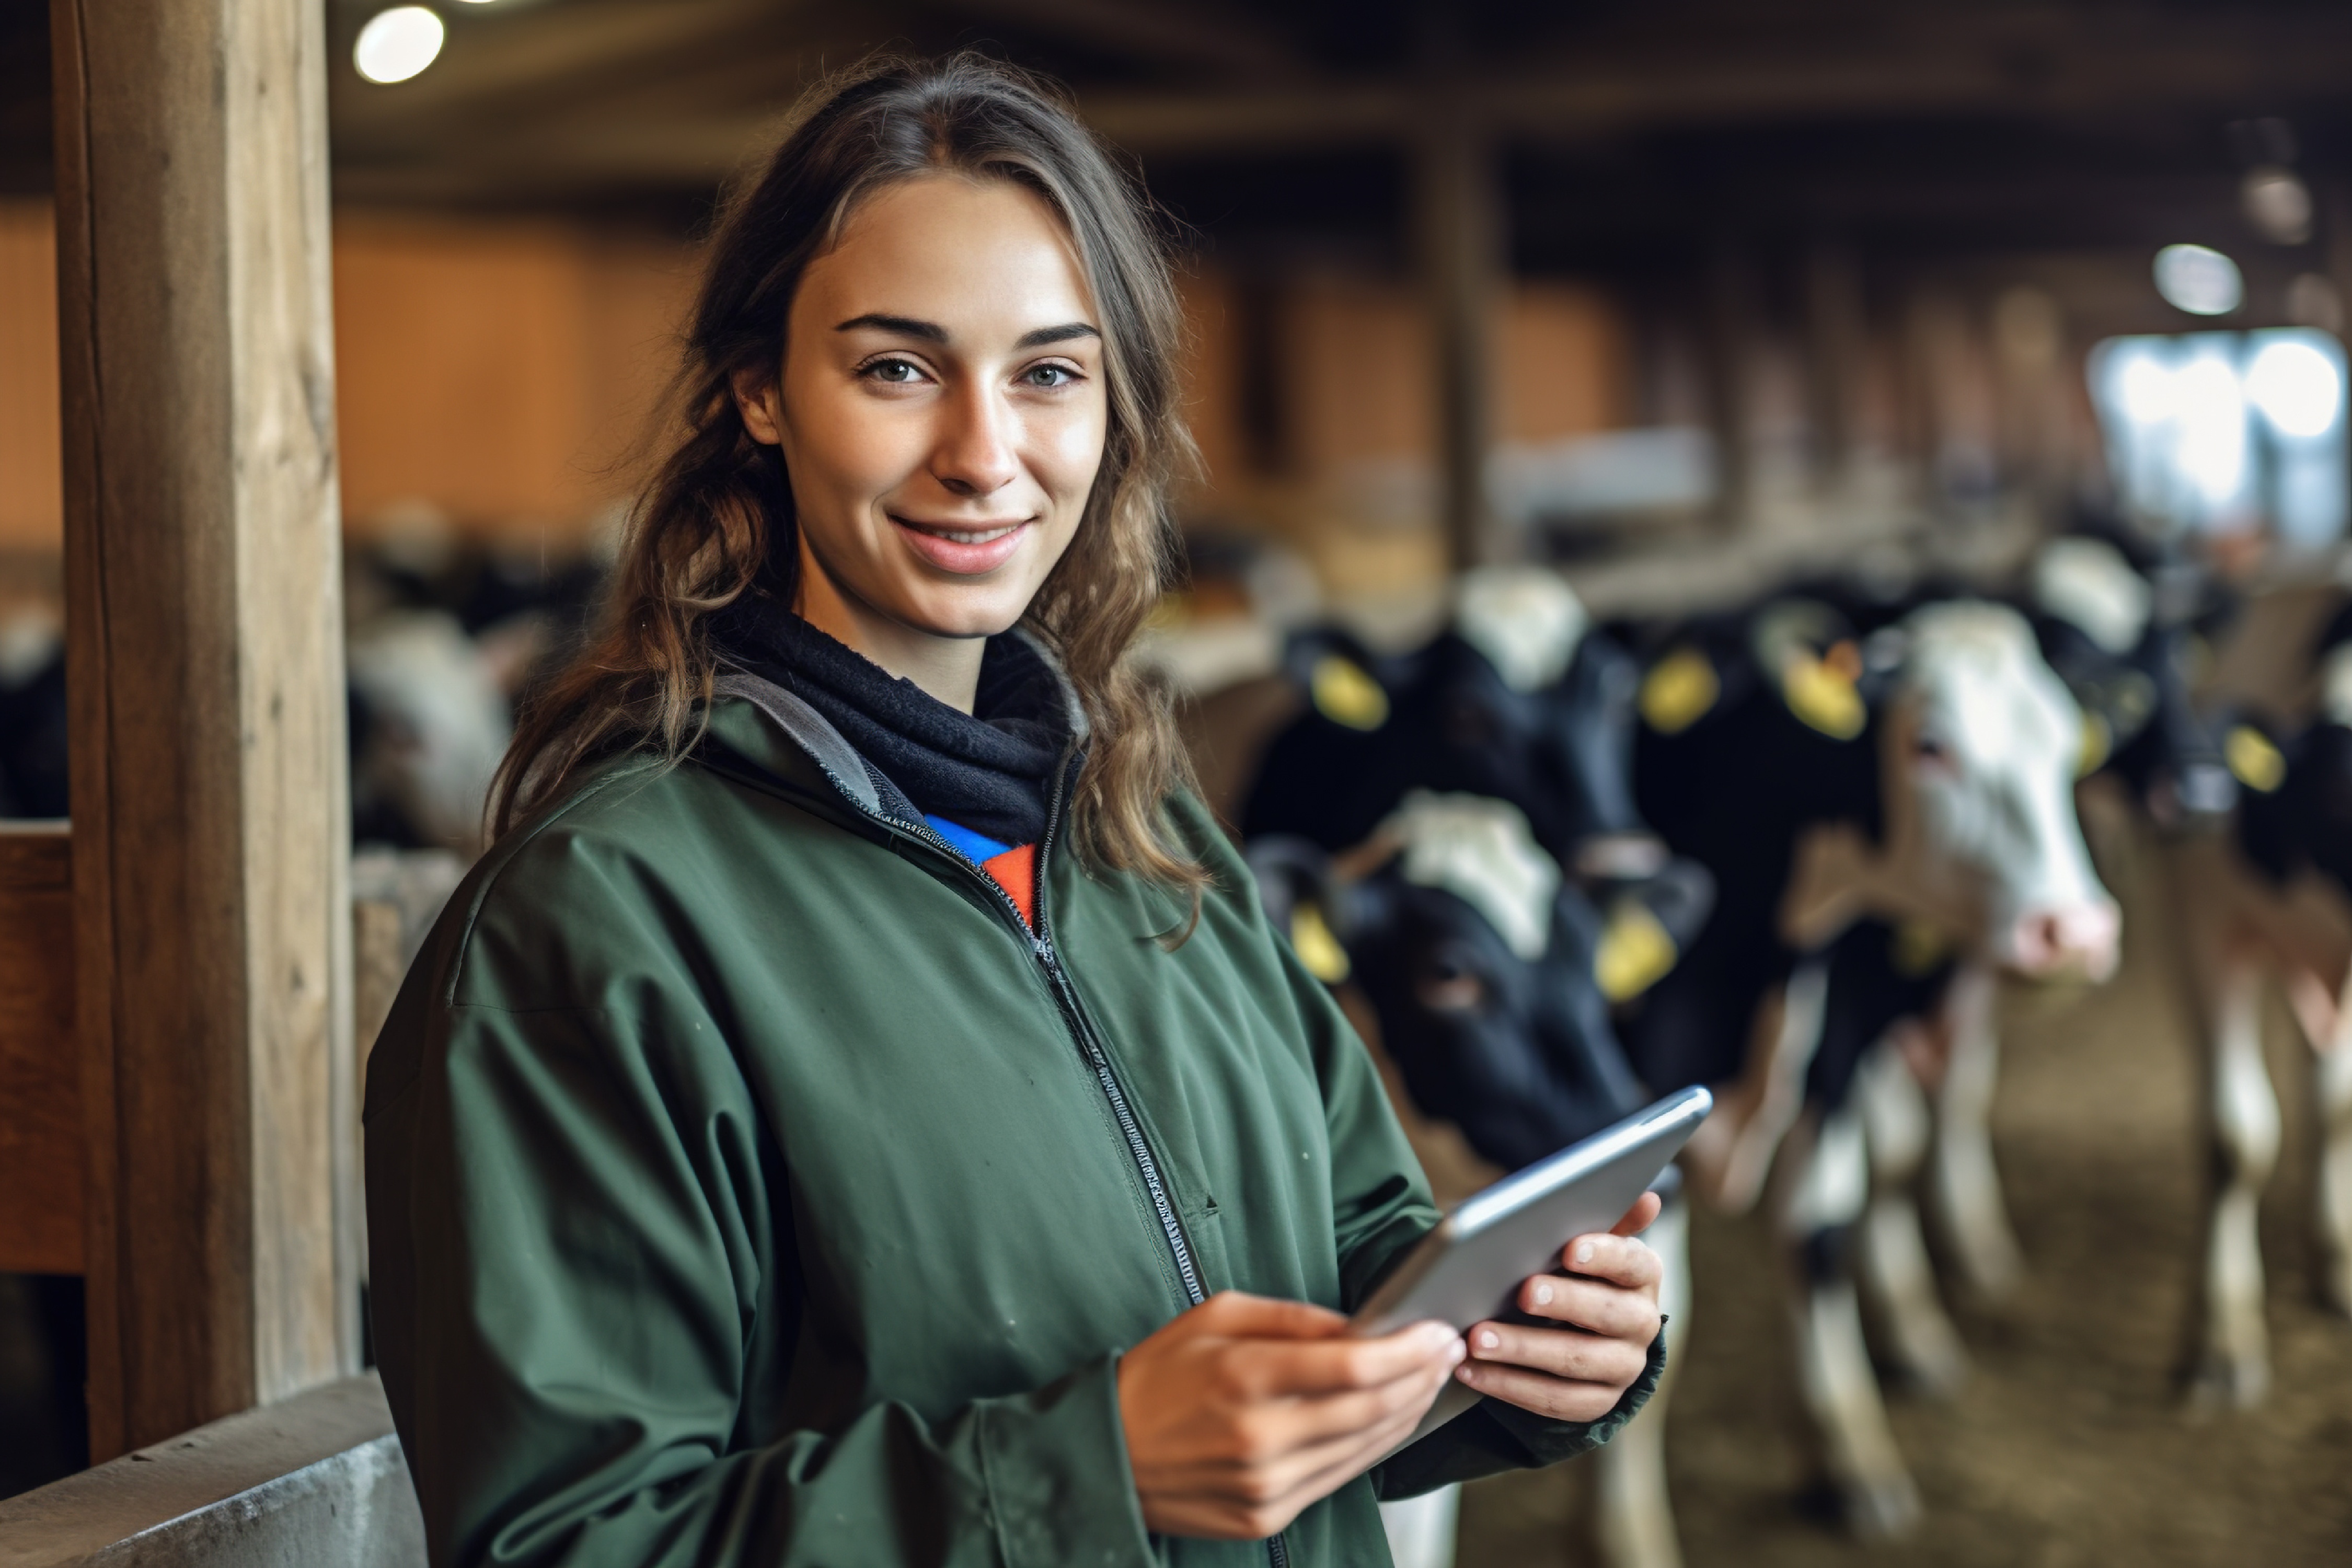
1050,376
893,371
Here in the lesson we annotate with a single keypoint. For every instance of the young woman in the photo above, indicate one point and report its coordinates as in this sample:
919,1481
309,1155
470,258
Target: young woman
858,1113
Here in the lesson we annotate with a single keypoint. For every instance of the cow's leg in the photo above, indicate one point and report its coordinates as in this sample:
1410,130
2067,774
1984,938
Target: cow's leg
1963,1186
1420,1530
1893,1257
2335,1213
2233,1357
1731,1153
1634,1522
1824,1200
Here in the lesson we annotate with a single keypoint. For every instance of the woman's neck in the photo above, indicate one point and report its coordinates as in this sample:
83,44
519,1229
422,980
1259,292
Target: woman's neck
945,668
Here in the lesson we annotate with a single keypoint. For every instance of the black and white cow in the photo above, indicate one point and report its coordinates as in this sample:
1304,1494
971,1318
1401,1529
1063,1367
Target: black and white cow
2273,901
2124,636
1875,812
1498,1022
1519,699
1478,958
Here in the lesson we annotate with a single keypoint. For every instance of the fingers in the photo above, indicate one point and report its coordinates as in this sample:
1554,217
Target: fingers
1278,1469
1612,1361
1560,1399
1593,1305
1640,1216
1306,1423
1343,1458
1290,1368
1621,1259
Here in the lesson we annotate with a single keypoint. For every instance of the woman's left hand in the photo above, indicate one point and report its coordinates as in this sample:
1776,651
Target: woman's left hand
1611,1302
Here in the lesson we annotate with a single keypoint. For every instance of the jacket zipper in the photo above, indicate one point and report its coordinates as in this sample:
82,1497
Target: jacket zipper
1066,996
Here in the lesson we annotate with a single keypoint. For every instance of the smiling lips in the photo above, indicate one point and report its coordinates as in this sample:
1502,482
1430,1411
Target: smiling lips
966,548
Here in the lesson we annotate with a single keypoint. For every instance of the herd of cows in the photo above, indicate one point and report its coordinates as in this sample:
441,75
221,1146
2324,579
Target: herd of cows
1788,851
1558,868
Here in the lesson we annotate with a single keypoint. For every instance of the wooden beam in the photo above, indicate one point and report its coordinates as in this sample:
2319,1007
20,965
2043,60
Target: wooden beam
1969,67
204,625
317,1479
1835,344
1729,312
40,1076
1457,221
1159,35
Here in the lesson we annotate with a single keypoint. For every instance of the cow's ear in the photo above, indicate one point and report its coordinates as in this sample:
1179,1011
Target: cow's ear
2254,758
1680,690
1824,690
1634,950
1318,948
1336,672
1347,693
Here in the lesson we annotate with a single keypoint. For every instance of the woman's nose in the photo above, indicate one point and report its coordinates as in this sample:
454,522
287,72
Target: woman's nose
975,454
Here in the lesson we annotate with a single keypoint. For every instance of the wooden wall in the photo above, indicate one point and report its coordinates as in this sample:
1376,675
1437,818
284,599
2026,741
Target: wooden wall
498,374
32,501
1356,382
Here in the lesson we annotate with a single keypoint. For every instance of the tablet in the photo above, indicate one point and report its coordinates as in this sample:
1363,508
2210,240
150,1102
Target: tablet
1468,1269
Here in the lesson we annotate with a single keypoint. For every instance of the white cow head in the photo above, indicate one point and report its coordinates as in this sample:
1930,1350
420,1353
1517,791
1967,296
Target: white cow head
1978,755
438,723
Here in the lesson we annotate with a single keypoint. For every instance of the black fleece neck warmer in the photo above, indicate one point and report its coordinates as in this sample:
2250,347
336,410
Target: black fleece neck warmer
990,769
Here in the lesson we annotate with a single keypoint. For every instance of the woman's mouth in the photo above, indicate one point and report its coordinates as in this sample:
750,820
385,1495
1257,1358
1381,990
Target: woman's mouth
966,548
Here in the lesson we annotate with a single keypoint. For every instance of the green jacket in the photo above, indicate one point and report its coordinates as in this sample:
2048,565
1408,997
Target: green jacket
747,1184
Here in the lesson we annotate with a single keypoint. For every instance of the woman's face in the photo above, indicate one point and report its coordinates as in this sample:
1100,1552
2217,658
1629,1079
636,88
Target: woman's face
941,410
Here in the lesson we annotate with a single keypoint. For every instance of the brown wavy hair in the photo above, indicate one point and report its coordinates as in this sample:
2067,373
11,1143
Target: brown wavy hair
716,520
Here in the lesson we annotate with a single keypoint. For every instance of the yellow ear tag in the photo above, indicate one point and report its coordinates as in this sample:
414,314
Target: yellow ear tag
1344,694
2251,756
2097,741
1317,949
1679,690
1823,697
1917,947
1635,953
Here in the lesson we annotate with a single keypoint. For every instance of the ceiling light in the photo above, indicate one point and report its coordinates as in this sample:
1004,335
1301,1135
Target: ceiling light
397,44
2297,388
2201,281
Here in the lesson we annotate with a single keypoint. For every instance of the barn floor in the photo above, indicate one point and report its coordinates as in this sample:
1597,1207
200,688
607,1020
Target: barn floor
2069,1444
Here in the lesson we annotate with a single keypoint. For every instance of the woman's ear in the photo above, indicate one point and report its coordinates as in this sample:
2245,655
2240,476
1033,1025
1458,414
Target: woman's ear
758,400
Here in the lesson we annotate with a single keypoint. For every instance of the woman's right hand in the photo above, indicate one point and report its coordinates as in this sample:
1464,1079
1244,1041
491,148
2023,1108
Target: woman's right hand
1244,1410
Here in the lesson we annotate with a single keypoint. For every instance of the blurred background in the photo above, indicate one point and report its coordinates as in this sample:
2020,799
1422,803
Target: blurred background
1687,302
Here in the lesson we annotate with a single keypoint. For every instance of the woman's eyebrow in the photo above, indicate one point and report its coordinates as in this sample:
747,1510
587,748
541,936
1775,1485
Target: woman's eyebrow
904,326
1061,334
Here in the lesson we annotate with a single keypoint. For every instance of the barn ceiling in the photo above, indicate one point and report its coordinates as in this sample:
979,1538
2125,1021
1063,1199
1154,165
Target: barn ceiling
1631,133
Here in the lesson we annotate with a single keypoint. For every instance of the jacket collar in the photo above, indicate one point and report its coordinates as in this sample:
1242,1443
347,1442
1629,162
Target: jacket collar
848,773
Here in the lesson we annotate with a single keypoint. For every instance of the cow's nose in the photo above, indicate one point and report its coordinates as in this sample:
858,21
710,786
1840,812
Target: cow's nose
2084,936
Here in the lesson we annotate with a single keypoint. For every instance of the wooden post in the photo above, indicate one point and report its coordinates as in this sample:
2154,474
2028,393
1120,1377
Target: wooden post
204,623
1458,219
1837,336
1730,382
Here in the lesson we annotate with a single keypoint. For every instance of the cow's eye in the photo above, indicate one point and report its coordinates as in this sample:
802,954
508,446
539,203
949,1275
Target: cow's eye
1445,986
